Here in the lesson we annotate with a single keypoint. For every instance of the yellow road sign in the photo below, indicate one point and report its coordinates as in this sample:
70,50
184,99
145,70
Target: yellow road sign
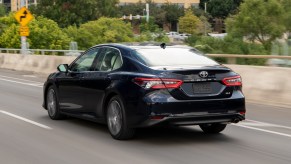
23,16
24,31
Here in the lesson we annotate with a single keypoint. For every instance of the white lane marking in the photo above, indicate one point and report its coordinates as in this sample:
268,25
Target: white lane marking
30,84
32,76
263,130
25,120
258,123
19,79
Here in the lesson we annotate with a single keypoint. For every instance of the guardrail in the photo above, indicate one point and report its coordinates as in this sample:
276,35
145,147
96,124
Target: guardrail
42,52
231,58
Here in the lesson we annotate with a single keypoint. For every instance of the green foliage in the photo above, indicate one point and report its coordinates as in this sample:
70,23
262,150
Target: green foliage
287,16
228,45
162,14
148,26
2,10
104,30
148,36
6,21
191,24
173,12
220,8
10,37
44,34
107,8
76,12
258,20
132,8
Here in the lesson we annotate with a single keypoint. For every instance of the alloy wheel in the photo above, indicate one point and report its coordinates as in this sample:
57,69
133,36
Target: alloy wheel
51,103
114,117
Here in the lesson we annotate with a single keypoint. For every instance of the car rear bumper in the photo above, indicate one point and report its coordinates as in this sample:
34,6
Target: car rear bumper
168,110
184,120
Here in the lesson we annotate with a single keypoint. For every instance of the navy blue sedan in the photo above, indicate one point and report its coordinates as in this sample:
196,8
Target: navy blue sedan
133,86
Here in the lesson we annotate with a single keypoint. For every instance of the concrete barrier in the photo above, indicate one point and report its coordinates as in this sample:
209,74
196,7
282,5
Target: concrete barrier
35,63
270,85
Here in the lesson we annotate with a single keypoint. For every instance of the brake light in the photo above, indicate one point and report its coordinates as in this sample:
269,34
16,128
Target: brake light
155,83
232,81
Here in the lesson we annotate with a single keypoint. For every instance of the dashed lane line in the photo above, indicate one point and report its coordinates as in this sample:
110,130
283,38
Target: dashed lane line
14,78
35,84
254,125
264,130
25,120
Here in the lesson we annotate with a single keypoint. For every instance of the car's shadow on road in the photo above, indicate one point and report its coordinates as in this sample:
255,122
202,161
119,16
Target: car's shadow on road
178,135
153,135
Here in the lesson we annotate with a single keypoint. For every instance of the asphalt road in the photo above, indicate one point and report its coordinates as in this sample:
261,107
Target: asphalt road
28,136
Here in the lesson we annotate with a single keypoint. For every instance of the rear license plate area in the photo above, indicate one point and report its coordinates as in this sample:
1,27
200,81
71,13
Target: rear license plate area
202,88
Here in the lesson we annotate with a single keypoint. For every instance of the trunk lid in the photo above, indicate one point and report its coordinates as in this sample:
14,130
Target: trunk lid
199,82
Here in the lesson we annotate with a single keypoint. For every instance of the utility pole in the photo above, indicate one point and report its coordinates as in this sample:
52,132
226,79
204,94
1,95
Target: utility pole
148,12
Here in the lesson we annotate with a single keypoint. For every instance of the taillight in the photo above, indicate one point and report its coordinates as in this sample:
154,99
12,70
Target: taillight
155,83
232,81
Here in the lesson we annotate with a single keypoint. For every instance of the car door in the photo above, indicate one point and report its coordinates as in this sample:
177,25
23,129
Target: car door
96,82
71,93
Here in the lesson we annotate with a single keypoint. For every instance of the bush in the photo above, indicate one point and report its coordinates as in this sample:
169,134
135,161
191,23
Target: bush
228,45
103,30
44,34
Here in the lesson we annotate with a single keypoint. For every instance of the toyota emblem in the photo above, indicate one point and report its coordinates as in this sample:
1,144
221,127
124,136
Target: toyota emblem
203,74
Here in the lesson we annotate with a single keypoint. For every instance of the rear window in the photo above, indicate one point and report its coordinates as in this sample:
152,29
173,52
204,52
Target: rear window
173,57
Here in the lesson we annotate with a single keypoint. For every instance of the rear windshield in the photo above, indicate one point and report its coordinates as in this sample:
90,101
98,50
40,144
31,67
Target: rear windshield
173,57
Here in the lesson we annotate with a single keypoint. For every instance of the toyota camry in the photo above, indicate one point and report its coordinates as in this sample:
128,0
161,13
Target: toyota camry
129,86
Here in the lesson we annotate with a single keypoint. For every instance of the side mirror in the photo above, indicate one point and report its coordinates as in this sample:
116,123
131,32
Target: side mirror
63,68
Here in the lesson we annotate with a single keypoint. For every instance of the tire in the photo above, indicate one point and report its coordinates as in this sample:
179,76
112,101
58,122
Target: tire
116,120
212,128
52,104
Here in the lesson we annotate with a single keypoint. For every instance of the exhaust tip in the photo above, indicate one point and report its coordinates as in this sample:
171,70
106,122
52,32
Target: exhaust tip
236,120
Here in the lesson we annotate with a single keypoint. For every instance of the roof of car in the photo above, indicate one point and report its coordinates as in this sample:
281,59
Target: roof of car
146,45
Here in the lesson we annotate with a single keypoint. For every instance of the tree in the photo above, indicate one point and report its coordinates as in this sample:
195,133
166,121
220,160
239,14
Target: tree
258,20
44,34
107,8
132,8
220,8
287,16
76,12
190,24
103,30
6,21
2,10
173,13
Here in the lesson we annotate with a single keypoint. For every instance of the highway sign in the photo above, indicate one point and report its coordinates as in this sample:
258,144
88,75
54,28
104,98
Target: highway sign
24,31
23,16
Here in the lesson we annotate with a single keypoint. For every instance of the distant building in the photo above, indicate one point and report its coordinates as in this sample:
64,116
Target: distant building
14,5
185,3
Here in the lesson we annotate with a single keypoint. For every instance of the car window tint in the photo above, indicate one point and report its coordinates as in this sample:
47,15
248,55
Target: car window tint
85,62
111,60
